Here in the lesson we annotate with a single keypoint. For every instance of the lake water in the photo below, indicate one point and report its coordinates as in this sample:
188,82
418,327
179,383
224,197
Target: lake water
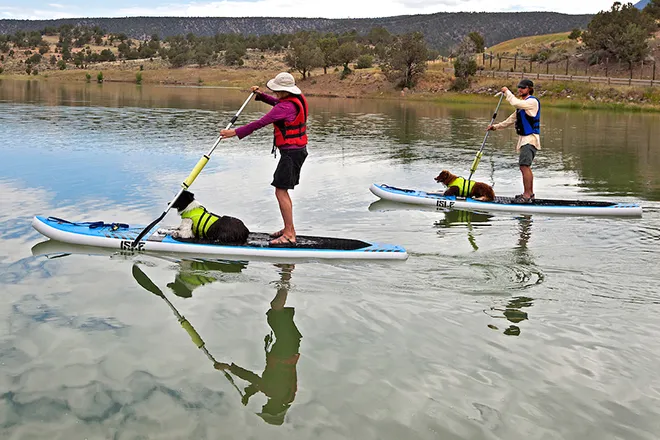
496,327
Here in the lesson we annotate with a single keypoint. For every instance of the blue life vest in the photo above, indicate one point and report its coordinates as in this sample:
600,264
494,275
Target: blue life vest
525,124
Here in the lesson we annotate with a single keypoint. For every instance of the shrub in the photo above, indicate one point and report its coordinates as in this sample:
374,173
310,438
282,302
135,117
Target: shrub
1,70
138,78
35,72
61,64
88,76
99,77
364,62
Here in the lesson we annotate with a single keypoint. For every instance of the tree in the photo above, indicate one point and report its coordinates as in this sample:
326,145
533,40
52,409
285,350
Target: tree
379,35
478,40
465,65
622,33
61,64
303,56
575,34
652,9
328,46
234,54
106,55
407,57
346,53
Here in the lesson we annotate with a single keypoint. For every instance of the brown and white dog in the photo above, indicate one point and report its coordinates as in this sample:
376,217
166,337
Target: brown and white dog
479,191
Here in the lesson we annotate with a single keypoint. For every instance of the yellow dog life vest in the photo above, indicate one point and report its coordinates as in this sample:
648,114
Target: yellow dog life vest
465,186
202,220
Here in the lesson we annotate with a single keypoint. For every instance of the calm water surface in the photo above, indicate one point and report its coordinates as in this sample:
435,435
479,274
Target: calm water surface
496,327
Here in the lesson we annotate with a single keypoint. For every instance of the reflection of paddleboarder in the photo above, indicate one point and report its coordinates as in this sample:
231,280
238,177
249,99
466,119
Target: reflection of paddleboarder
279,380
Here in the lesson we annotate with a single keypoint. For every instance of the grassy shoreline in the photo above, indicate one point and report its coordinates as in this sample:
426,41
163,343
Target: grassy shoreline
433,86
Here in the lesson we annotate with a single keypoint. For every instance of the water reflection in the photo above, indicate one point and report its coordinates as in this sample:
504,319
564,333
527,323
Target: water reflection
279,380
457,217
196,273
514,311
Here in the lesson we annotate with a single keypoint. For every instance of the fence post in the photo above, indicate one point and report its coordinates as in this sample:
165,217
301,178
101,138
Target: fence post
631,69
530,66
566,66
491,60
499,66
547,67
607,65
483,58
653,70
641,70
515,61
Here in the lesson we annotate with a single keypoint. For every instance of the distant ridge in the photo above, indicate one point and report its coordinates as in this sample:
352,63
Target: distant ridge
442,30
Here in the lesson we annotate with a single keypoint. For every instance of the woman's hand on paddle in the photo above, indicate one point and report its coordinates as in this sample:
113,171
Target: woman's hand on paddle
490,128
227,133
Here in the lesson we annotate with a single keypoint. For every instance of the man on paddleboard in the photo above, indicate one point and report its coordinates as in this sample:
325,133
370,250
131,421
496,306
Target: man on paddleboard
289,119
527,120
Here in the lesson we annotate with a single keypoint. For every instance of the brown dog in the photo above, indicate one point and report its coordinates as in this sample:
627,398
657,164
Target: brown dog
479,191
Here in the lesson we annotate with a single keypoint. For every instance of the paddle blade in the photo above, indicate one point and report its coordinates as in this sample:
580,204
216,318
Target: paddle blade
144,281
147,229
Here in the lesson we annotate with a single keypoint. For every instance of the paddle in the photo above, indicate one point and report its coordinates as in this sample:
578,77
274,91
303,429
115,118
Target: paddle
144,281
477,158
192,176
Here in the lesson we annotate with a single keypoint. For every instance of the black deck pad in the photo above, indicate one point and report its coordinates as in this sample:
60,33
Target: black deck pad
553,202
510,200
260,239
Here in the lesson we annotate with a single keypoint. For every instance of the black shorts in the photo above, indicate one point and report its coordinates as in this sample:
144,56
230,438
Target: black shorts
527,154
287,173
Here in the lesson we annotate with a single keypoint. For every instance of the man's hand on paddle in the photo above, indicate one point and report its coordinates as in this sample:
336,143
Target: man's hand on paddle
504,90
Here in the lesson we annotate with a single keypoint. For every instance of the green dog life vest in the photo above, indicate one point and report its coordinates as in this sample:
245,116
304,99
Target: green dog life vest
202,221
465,186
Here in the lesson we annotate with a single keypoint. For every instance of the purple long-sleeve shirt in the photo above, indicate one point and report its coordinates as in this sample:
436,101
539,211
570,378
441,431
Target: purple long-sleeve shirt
282,110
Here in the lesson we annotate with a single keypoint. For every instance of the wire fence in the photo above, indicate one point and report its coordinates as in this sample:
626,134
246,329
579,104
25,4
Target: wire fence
571,68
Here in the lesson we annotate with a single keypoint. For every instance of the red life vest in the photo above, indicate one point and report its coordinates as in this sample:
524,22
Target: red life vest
292,134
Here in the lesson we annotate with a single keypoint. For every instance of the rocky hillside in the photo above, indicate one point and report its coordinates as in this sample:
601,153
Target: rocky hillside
442,30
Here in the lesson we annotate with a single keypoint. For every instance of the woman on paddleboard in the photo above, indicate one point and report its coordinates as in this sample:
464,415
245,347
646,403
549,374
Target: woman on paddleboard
289,119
